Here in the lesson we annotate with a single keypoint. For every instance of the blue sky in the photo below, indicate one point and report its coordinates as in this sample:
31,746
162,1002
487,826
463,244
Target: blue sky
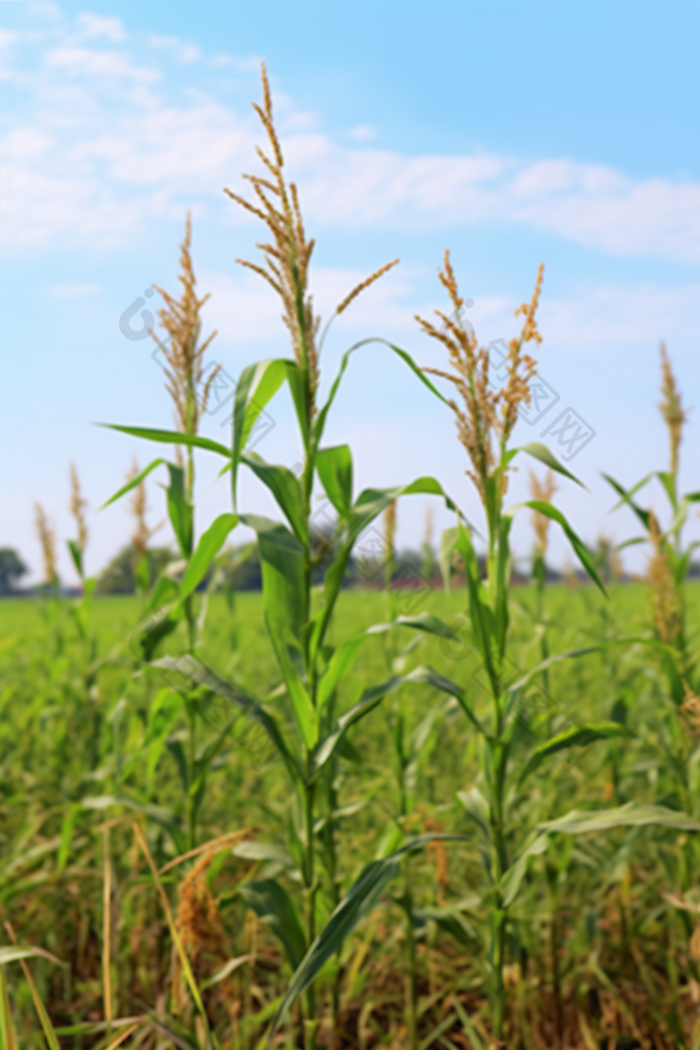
511,133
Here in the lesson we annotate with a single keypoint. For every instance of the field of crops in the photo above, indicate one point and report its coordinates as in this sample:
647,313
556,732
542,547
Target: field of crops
346,811
595,946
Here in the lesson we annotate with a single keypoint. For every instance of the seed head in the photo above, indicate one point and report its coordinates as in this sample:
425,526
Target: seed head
671,408
668,611
487,415
285,264
47,539
77,508
390,527
542,491
183,352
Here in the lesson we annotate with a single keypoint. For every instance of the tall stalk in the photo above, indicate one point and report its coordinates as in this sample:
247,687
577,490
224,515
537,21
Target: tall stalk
485,419
167,603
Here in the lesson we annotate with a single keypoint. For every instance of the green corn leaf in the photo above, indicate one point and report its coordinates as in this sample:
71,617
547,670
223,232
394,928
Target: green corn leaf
575,654
578,822
643,515
577,736
340,665
150,633
417,371
334,467
543,454
133,482
77,556
171,437
475,1038
264,851
180,509
425,621
478,809
209,545
286,613
452,921
257,385
285,487
633,814
668,483
683,564
370,699
427,676
369,505
360,899
582,552
373,502
198,674
273,906
513,878
633,542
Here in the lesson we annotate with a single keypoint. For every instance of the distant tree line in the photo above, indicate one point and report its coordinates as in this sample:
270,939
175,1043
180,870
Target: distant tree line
239,568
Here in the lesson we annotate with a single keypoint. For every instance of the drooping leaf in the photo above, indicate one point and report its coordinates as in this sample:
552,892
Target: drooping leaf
367,702
200,675
643,515
543,454
633,814
576,736
368,506
320,423
452,921
374,696
16,952
360,899
582,552
210,543
424,621
170,437
273,906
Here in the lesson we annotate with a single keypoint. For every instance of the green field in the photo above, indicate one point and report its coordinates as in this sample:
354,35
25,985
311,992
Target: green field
89,744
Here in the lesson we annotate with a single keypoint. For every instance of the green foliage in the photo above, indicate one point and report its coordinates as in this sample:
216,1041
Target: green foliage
119,575
12,568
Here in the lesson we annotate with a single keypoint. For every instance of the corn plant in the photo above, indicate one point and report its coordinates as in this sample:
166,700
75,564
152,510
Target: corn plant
669,565
171,601
485,421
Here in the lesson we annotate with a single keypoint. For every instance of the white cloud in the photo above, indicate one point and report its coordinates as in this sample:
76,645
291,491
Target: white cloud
89,62
96,25
74,291
244,308
107,155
